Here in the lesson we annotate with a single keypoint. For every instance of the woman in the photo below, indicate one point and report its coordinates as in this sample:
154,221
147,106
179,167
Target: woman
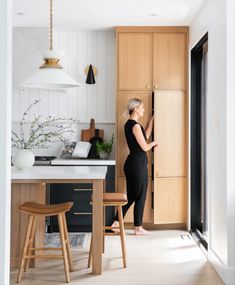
136,164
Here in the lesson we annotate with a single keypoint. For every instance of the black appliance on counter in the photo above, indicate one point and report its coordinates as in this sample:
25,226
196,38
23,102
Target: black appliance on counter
43,160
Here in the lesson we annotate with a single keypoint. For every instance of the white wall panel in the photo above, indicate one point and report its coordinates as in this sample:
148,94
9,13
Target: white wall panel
79,50
92,59
101,77
82,93
33,96
53,103
24,101
72,58
110,76
16,105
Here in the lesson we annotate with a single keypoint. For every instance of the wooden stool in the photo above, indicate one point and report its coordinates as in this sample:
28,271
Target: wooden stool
34,210
118,200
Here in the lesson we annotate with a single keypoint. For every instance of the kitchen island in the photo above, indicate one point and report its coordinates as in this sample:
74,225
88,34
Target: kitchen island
30,185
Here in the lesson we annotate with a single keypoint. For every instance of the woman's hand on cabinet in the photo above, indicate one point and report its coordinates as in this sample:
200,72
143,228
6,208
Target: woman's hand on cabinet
155,144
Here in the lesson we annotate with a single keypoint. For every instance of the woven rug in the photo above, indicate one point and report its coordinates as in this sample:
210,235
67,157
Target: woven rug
77,240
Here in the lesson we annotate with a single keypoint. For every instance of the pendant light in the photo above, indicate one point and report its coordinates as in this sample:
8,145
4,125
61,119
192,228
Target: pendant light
50,74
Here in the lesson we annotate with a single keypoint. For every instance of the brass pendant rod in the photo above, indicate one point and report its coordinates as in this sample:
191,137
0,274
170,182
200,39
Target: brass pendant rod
51,26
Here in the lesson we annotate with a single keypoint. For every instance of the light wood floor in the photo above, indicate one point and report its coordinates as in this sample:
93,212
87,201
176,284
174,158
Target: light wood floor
163,258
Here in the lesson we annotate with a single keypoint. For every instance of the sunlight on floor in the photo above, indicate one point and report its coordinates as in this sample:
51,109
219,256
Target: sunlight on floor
183,249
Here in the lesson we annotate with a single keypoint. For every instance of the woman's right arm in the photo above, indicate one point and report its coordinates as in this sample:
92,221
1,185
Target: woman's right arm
140,138
149,128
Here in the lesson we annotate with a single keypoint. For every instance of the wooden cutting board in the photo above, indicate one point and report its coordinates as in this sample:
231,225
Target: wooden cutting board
86,135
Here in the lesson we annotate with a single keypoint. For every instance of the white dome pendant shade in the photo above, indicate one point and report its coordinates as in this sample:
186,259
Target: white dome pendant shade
50,78
50,74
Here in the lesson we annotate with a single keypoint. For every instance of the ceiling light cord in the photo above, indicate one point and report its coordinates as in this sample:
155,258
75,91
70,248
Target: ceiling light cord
50,74
50,27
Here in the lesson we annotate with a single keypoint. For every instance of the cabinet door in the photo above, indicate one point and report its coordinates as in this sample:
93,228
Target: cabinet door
122,148
148,204
170,61
170,131
134,61
170,200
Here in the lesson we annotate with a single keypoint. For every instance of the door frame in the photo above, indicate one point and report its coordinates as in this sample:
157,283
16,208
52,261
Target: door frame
195,149
5,135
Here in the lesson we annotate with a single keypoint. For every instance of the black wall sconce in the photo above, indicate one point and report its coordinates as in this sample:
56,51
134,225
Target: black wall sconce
91,72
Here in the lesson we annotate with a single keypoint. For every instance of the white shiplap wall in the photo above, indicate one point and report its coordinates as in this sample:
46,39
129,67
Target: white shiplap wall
79,50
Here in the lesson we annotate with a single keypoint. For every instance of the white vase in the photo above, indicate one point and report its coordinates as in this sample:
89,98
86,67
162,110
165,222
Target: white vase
23,159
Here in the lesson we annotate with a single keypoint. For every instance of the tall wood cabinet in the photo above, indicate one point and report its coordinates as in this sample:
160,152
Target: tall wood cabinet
152,63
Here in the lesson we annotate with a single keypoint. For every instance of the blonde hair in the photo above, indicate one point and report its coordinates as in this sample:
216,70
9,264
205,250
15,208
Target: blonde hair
131,105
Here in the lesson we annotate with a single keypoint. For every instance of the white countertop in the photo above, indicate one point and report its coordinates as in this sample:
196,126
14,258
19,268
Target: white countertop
60,172
58,161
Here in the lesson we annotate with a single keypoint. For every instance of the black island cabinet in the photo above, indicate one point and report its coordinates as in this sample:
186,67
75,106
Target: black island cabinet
79,218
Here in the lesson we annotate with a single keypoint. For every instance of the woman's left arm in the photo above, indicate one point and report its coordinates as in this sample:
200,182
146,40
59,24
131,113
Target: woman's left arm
149,128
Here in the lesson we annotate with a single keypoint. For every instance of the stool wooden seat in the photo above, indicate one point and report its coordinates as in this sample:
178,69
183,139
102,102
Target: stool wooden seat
118,200
114,198
34,210
45,210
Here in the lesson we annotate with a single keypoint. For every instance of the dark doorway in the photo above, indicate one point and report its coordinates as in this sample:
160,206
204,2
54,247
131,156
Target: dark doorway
199,198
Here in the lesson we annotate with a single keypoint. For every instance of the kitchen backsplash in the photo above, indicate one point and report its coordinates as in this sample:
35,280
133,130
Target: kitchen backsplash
55,148
79,50
88,101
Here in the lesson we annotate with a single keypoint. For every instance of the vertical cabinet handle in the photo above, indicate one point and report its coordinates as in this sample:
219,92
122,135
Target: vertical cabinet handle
155,130
155,99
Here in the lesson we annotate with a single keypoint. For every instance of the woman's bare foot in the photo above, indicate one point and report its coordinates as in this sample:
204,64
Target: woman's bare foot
139,231
114,226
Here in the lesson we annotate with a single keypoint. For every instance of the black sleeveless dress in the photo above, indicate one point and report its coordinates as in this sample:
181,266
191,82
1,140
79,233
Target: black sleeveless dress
136,172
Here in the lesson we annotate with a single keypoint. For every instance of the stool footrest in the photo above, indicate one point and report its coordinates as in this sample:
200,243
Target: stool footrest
47,248
111,228
112,234
54,256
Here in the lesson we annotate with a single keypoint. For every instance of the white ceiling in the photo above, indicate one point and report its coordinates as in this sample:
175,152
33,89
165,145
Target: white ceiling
102,14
